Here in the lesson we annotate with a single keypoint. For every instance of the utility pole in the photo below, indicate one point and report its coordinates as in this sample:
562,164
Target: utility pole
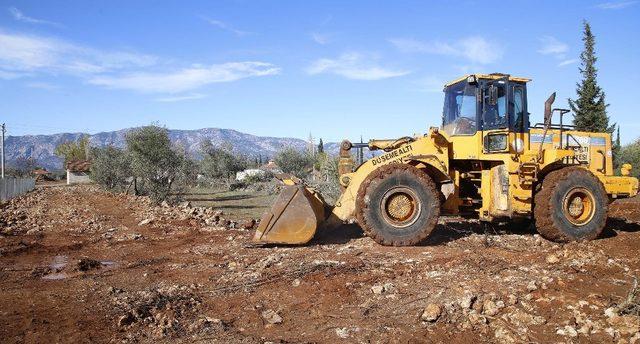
2,152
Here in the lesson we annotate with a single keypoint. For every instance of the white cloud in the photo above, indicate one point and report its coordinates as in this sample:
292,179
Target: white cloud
353,66
615,5
24,54
567,62
186,79
224,26
552,46
321,38
19,16
477,50
28,56
173,99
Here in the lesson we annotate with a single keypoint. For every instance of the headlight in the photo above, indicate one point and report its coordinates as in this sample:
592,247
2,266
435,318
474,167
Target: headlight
518,146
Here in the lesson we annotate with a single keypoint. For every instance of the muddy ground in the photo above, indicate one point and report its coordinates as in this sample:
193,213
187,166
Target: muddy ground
81,265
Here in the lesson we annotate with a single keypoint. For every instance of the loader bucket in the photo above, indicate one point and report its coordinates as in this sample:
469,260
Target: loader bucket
293,218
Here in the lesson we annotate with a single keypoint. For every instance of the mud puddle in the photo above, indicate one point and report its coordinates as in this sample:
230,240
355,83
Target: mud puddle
60,263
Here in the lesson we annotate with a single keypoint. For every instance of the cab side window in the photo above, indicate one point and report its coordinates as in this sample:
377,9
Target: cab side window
518,109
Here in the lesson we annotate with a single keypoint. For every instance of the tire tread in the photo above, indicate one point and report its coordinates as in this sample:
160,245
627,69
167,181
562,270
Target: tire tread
543,204
377,176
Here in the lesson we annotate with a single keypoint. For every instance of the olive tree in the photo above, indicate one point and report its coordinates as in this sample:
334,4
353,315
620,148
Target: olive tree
154,162
110,167
295,162
221,161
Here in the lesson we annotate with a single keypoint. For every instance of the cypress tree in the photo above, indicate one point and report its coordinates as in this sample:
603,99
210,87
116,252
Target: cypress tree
321,146
590,108
616,150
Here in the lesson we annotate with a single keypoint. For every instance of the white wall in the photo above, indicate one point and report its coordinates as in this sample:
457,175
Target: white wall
77,178
242,175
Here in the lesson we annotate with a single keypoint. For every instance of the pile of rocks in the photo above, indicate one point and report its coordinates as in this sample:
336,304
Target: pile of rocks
185,211
32,213
17,215
509,318
164,311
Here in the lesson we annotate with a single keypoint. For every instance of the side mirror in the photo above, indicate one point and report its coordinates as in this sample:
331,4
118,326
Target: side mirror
547,108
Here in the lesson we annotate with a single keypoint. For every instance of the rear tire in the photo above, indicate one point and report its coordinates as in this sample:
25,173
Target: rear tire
398,205
571,206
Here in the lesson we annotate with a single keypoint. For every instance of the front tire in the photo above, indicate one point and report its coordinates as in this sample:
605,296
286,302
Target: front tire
571,206
398,205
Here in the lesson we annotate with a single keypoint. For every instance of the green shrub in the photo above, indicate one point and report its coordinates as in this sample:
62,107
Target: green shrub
110,167
258,178
630,154
73,150
221,162
295,162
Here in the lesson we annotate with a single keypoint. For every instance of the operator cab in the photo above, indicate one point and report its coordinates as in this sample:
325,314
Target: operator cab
483,102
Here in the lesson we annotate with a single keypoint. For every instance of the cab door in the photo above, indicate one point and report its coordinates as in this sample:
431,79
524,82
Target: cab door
495,117
518,117
496,135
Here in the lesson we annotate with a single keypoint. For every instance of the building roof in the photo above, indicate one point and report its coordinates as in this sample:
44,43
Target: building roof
79,165
492,76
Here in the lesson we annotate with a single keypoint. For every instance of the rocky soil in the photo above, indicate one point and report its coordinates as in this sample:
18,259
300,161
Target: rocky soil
81,265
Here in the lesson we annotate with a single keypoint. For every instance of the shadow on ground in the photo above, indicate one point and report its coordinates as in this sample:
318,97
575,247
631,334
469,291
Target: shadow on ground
451,231
221,198
618,224
442,234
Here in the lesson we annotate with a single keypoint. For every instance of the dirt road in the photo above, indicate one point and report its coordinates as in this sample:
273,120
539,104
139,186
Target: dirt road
81,265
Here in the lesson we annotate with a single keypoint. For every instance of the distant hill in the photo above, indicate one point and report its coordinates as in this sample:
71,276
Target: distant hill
41,147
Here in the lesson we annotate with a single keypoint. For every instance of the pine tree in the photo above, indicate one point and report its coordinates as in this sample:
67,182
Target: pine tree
321,146
590,108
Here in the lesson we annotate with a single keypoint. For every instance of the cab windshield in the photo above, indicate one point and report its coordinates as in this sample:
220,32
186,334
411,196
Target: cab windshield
460,108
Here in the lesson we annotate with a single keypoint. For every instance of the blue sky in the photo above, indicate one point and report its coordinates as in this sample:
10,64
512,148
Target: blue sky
336,69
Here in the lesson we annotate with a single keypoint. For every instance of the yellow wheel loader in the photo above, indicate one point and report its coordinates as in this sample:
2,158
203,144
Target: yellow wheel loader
486,161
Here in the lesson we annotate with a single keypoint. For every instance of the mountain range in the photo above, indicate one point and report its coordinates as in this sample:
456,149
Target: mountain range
42,147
